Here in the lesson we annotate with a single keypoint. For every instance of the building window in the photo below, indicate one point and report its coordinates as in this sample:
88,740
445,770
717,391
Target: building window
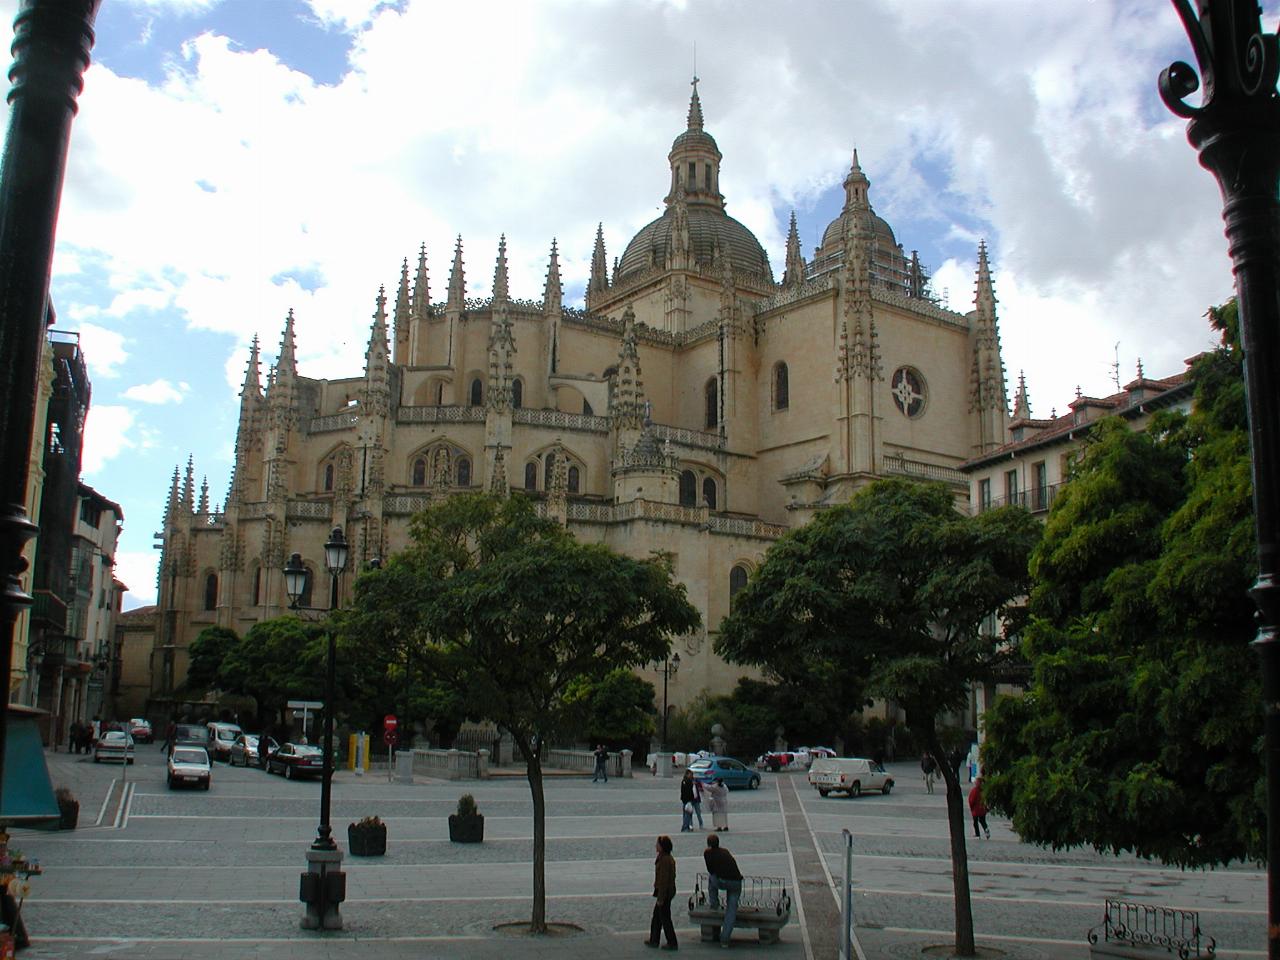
477,392
549,464
575,479
531,476
909,392
517,393
781,388
737,580
328,477
419,472
1040,499
257,586
984,494
707,171
712,403
211,592
1011,486
709,493
693,175
688,489
464,472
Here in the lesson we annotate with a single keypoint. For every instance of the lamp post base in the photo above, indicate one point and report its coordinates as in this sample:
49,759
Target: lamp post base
323,888
664,764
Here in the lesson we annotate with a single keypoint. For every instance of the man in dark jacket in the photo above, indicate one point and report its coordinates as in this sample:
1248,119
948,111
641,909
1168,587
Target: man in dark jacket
723,874
602,764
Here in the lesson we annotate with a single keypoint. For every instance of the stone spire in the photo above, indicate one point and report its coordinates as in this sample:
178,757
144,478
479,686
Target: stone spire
420,304
794,274
403,314
552,292
917,281
188,501
856,186
500,293
248,431
599,282
1021,402
173,502
680,252
457,280
376,396
987,396
502,350
284,377
203,505
695,108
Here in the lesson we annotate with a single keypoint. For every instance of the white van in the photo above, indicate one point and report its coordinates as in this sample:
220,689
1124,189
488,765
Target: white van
221,737
850,775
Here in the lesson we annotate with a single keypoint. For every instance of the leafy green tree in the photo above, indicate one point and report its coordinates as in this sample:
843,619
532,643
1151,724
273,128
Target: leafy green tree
519,614
276,661
888,596
617,707
207,651
1141,729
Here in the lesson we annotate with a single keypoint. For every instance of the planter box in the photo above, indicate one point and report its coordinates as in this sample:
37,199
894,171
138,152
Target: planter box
366,841
466,829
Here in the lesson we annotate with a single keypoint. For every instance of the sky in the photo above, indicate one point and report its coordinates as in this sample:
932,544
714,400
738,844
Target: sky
234,159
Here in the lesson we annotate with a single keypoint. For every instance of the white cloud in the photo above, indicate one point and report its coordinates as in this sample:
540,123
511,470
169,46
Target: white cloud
107,434
136,569
157,392
103,350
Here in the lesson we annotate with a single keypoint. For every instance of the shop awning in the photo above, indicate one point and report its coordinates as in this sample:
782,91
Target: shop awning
26,794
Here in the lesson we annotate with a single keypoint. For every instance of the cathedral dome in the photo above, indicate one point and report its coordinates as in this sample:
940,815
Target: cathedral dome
708,228
881,232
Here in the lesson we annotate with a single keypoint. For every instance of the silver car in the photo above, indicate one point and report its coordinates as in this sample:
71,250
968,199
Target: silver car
189,766
114,745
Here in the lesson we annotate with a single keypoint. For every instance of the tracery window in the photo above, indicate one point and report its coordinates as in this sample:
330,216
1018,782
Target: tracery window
574,479
419,472
257,586
477,392
909,391
517,393
688,489
709,492
328,477
464,471
211,592
737,580
781,388
712,404
549,465
531,476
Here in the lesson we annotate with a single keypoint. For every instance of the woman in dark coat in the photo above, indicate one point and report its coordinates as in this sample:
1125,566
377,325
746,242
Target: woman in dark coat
664,891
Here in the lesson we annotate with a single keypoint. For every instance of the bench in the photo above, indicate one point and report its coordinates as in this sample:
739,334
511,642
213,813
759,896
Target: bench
764,905
1139,931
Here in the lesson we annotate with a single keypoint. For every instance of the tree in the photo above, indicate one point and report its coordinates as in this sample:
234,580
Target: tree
208,650
518,615
1141,730
617,707
278,660
888,596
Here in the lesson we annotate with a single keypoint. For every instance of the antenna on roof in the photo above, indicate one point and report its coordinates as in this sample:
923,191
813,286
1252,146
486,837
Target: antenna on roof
1115,368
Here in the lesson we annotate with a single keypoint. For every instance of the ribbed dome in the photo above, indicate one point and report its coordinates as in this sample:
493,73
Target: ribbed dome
695,138
881,231
707,228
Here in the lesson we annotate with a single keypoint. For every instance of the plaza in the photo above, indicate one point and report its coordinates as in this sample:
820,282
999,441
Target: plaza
189,874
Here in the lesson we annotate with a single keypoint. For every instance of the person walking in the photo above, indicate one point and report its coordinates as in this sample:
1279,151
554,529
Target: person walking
602,764
929,769
978,810
718,802
664,891
690,801
723,874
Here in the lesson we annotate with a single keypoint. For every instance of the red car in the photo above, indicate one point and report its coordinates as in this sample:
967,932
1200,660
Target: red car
297,760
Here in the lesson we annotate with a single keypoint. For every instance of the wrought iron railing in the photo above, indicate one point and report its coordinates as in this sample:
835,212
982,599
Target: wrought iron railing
766,894
1141,924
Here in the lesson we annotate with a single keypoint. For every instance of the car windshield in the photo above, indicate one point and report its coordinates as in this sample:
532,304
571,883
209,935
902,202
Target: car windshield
305,750
114,736
227,734
190,756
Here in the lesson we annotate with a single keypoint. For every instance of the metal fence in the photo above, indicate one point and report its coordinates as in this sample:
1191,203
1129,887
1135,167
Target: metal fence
1141,924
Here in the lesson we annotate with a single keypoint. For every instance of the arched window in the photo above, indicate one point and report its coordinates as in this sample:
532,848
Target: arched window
517,393
419,472
709,493
574,479
688,489
713,406
531,476
549,465
211,592
464,472
257,586
477,392
328,476
781,388
737,580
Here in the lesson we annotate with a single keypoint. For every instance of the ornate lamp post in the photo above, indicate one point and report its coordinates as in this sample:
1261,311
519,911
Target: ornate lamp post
1236,130
669,667
324,884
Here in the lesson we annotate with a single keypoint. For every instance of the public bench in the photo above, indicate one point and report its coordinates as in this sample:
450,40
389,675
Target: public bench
1139,931
764,905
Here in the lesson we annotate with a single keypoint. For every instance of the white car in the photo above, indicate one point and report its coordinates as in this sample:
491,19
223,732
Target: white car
850,775
189,766
114,745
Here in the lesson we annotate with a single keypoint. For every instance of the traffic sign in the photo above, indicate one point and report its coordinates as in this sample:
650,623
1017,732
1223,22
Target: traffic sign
305,705
389,721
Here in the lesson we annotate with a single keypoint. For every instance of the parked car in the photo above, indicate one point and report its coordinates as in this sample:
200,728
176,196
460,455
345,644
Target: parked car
140,730
190,766
189,735
221,737
850,775
776,760
244,750
297,760
114,745
733,772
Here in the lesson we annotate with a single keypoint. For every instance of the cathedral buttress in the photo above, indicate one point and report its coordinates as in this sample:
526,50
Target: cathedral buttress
987,396
416,353
552,310
626,398
598,285
401,321
453,310
794,275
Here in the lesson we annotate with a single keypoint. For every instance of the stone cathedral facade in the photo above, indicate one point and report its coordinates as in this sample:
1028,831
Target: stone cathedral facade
697,405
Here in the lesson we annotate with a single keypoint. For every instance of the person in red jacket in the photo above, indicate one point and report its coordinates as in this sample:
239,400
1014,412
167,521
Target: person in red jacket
978,809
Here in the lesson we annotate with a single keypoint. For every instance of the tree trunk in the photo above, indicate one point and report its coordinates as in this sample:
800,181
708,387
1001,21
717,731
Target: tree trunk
533,767
959,852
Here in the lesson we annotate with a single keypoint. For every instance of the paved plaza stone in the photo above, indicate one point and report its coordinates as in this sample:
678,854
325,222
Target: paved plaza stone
189,874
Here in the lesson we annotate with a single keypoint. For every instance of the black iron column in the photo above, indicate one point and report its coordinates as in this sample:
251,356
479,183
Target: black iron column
1236,129
324,834
51,44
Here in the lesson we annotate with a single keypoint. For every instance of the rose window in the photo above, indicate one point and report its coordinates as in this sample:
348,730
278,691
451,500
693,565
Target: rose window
908,389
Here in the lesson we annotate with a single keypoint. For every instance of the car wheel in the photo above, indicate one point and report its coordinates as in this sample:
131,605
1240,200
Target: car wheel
856,789
888,785
754,784
288,773
823,791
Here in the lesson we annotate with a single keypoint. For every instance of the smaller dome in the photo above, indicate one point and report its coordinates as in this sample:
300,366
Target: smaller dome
832,238
695,138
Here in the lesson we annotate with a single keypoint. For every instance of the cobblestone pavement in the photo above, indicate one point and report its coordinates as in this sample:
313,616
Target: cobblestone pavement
190,874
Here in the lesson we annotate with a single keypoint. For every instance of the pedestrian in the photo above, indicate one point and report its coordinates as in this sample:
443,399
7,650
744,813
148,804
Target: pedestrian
978,809
929,769
97,729
602,764
86,737
723,874
170,731
718,801
264,749
664,891
690,801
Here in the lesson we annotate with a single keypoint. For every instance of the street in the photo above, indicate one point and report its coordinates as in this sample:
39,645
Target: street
192,874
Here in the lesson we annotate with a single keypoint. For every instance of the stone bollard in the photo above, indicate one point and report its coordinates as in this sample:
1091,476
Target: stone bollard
626,764
404,766
482,764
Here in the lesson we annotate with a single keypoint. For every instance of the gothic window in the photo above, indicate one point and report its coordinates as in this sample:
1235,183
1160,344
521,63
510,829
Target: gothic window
531,476
419,472
574,479
737,580
517,393
709,492
548,466
781,388
707,171
257,586
477,392
713,406
909,392
464,472
211,592
693,175
688,489
328,476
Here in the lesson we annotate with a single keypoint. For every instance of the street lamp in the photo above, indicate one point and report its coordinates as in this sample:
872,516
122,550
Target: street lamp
323,885
669,666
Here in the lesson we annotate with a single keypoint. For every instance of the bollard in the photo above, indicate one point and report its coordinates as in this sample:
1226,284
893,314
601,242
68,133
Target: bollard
846,900
626,770
482,764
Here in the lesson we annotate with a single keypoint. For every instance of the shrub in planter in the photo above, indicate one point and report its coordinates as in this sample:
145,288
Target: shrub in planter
368,838
68,807
467,825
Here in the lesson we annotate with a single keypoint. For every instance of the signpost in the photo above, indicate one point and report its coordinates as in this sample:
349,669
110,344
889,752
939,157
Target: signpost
390,733
303,710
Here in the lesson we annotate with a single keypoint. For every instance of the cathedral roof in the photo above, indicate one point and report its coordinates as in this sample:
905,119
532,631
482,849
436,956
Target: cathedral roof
880,229
708,228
